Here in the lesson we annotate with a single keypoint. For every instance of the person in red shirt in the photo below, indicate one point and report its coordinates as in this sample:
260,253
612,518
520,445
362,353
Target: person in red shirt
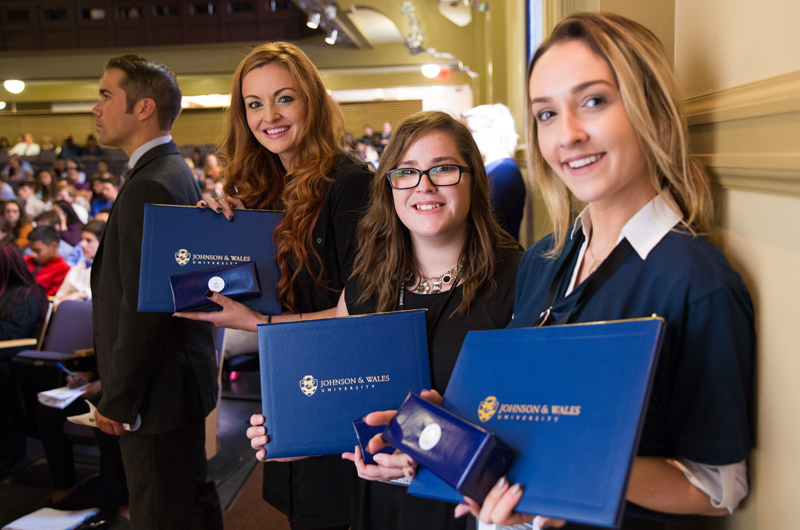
47,266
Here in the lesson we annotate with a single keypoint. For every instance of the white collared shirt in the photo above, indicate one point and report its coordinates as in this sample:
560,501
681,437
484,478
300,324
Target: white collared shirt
145,147
726,485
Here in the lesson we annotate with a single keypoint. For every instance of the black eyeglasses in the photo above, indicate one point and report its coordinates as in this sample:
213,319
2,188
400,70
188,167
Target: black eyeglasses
407,178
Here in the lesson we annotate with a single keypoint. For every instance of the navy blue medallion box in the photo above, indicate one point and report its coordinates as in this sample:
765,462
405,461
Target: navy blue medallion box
317,375
365,433
238,282
569,400
467,457
184,239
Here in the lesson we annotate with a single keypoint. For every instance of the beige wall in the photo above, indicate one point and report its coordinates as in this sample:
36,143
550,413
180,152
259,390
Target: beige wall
739,62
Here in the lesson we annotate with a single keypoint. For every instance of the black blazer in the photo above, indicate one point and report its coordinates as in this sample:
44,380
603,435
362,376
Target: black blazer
152,364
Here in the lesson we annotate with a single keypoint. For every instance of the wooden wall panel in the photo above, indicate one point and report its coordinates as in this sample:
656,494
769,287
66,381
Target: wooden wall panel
374,113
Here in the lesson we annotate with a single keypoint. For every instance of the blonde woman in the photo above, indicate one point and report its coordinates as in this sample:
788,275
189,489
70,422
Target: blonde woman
607,130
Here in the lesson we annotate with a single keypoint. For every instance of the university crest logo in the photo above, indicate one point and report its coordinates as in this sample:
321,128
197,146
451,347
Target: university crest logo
308,385
488,408
183,257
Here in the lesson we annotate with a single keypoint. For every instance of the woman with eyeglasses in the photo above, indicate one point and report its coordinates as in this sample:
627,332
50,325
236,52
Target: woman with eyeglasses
427,241
607,128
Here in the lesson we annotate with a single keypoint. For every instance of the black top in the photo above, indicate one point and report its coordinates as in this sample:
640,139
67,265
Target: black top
382,506
699,408
20,319
316,491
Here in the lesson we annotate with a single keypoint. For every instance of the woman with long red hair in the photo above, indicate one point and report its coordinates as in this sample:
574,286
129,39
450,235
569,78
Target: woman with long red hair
282,150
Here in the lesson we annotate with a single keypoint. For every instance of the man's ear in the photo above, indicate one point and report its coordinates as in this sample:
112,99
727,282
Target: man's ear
144,109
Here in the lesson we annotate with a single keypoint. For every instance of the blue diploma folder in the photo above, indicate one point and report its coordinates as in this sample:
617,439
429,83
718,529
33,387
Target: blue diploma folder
181,239
317,375
570,400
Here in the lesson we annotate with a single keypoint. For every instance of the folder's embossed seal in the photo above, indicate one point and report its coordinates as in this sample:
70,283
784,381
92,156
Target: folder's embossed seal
183,257
308,385
488,408
430,436
216,284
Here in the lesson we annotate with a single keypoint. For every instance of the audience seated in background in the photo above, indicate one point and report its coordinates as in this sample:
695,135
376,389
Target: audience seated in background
76,177
17,169
45,187
197,158
386,134
66,192
14,212
72,254
109,191
25,147
27,192
92,147
22,301
6,191
59,169
102,170
102,215
71,223
196,171
6,235
47,143
47,266
77,285
69,149
23,306
211,172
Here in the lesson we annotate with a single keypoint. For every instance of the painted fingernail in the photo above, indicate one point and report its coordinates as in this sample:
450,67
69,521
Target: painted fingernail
500,483
209,293
219,210
231,217
516,489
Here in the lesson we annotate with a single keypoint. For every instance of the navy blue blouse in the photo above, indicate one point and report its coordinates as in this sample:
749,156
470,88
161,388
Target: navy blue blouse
700,404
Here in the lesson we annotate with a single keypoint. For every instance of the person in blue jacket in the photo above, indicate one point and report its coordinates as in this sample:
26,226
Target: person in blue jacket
607,129
493,129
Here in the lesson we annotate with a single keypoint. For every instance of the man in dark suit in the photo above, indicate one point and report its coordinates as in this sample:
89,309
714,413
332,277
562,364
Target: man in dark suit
158,372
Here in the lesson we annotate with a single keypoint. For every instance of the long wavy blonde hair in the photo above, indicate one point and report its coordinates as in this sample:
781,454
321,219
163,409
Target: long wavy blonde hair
654,103
257,177
385,244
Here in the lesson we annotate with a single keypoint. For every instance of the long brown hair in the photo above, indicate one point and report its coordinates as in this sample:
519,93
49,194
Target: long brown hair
24,219
385,243
653,101
257,177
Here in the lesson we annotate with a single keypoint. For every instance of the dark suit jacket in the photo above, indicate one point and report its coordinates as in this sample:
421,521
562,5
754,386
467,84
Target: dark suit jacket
152,364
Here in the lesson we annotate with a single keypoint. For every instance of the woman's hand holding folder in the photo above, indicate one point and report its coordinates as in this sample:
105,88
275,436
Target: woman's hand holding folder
257,433
498,508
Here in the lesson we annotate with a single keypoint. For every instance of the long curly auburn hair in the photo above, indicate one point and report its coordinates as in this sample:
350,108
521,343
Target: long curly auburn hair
257,177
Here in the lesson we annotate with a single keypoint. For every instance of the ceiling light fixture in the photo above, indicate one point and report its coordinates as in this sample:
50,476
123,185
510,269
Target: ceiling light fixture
431,70
14,86
330,11
313,20
331,38
2,105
